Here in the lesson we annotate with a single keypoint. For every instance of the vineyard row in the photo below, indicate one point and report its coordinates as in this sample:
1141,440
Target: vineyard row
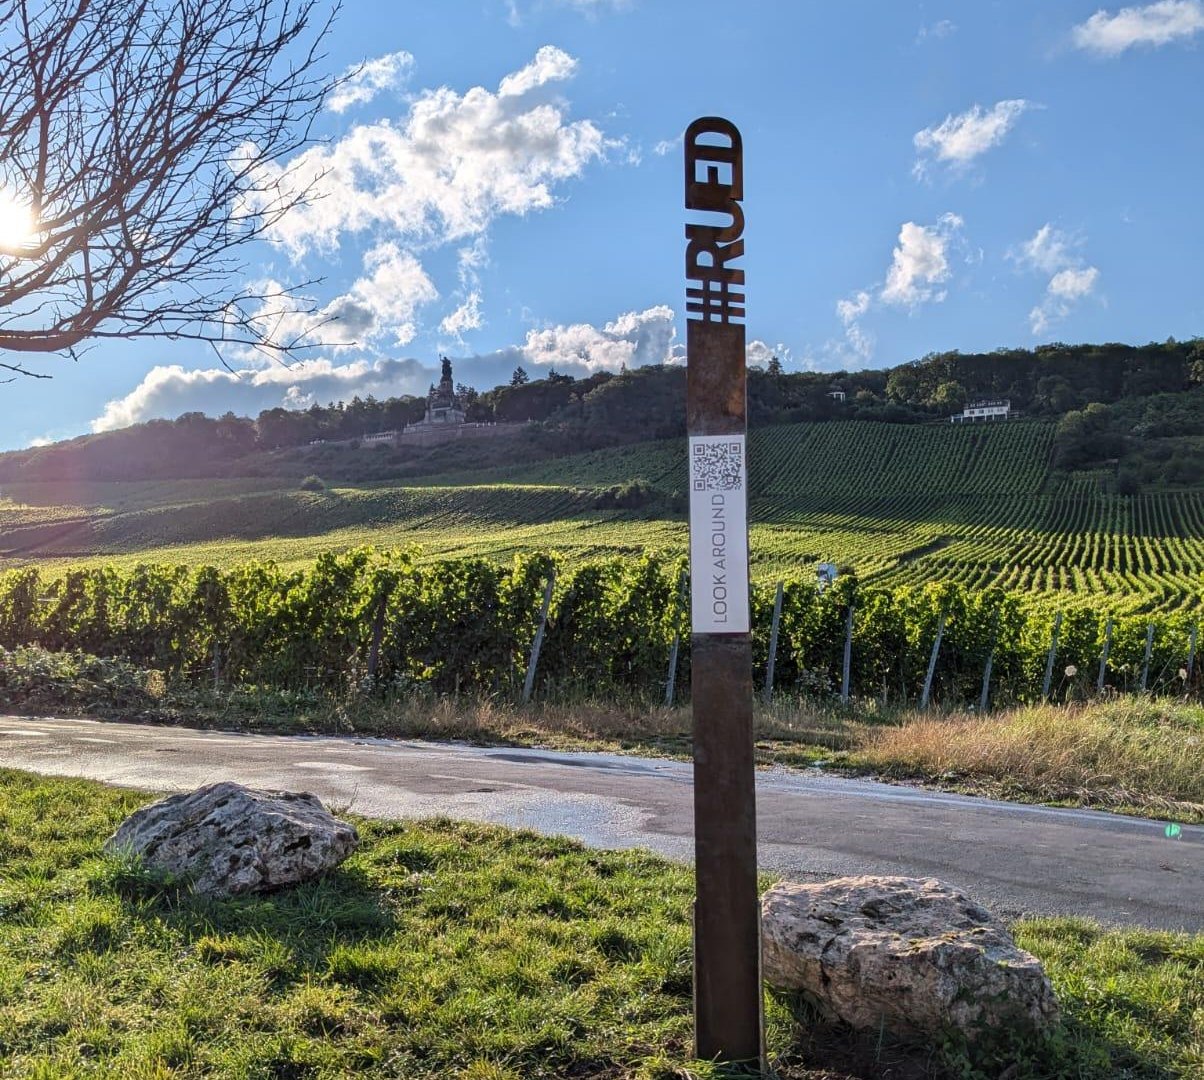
467,625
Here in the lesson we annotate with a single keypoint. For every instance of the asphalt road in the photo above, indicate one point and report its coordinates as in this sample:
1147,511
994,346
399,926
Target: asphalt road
1014,858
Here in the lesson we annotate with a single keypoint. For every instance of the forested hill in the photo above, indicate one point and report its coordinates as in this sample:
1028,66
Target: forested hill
1137,409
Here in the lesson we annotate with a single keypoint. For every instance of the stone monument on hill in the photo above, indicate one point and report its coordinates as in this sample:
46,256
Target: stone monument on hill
443,405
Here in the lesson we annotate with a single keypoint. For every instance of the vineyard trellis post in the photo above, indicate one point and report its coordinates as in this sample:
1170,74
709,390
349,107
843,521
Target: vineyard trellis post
537,644
671,678
378,633
217,664
984,699
1145,663
1047,682
773,643
1103,656
847,660
926,694
1191,654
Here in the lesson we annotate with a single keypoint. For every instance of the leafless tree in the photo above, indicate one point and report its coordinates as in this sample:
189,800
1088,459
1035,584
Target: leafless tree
142,139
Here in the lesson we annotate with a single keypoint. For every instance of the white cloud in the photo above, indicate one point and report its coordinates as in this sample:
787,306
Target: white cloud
1051,251
667,146
758,353
1073,284
940,29
466,317
448,169
859,343
360,84
958,140
550,65
920,262
379,307
634,339
1065,288
1153,24
170,390
853,308
919,266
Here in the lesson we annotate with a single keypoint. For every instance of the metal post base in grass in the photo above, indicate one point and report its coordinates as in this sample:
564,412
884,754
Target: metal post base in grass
727,914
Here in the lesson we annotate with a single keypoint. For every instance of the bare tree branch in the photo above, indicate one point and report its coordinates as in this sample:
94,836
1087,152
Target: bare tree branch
139,136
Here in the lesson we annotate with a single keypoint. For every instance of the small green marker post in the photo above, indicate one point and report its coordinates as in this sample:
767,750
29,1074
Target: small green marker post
1173,831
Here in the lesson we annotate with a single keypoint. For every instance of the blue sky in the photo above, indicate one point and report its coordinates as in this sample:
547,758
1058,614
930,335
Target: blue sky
504,186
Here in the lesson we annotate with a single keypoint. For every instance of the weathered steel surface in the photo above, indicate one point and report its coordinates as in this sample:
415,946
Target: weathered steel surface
727,913
727,917
714,389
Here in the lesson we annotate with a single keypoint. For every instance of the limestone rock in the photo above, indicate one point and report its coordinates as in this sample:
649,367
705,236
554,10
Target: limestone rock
914,956
229,839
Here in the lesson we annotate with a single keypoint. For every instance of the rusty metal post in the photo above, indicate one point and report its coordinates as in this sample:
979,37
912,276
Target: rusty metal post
728,1022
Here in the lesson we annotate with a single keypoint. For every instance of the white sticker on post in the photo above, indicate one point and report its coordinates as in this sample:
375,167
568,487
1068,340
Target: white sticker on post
718,535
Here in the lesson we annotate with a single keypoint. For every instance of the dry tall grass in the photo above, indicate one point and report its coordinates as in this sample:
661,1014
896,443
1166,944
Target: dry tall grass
1125,753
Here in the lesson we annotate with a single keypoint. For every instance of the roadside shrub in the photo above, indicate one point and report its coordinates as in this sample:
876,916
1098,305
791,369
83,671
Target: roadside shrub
34,678
313,483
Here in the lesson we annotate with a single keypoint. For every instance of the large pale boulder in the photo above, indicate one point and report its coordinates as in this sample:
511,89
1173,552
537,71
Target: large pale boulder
915,957
229,839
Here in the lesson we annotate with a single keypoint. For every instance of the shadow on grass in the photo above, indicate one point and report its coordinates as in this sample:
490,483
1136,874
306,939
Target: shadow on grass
293,929
822,1049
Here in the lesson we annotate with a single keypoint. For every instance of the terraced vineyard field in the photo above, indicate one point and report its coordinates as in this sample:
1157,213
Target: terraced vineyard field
901,504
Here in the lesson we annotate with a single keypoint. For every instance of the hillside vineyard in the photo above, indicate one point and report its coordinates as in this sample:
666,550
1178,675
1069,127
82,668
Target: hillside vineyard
897,504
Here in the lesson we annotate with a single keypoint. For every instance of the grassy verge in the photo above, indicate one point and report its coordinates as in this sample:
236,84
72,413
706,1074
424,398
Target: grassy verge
449,950
1133,755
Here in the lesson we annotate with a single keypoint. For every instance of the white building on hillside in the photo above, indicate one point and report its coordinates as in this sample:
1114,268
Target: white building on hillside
999,409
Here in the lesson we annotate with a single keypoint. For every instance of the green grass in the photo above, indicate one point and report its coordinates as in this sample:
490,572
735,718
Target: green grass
451,950
902,504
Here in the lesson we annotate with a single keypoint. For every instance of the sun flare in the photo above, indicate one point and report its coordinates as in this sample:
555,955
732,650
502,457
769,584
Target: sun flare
17,225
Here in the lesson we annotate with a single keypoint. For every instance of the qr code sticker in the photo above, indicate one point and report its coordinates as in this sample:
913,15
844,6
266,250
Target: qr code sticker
718,466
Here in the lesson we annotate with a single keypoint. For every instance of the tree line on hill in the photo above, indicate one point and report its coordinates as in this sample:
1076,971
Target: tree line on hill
1105,395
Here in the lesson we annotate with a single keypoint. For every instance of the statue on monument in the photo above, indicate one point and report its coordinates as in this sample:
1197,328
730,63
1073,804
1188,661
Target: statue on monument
443,405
